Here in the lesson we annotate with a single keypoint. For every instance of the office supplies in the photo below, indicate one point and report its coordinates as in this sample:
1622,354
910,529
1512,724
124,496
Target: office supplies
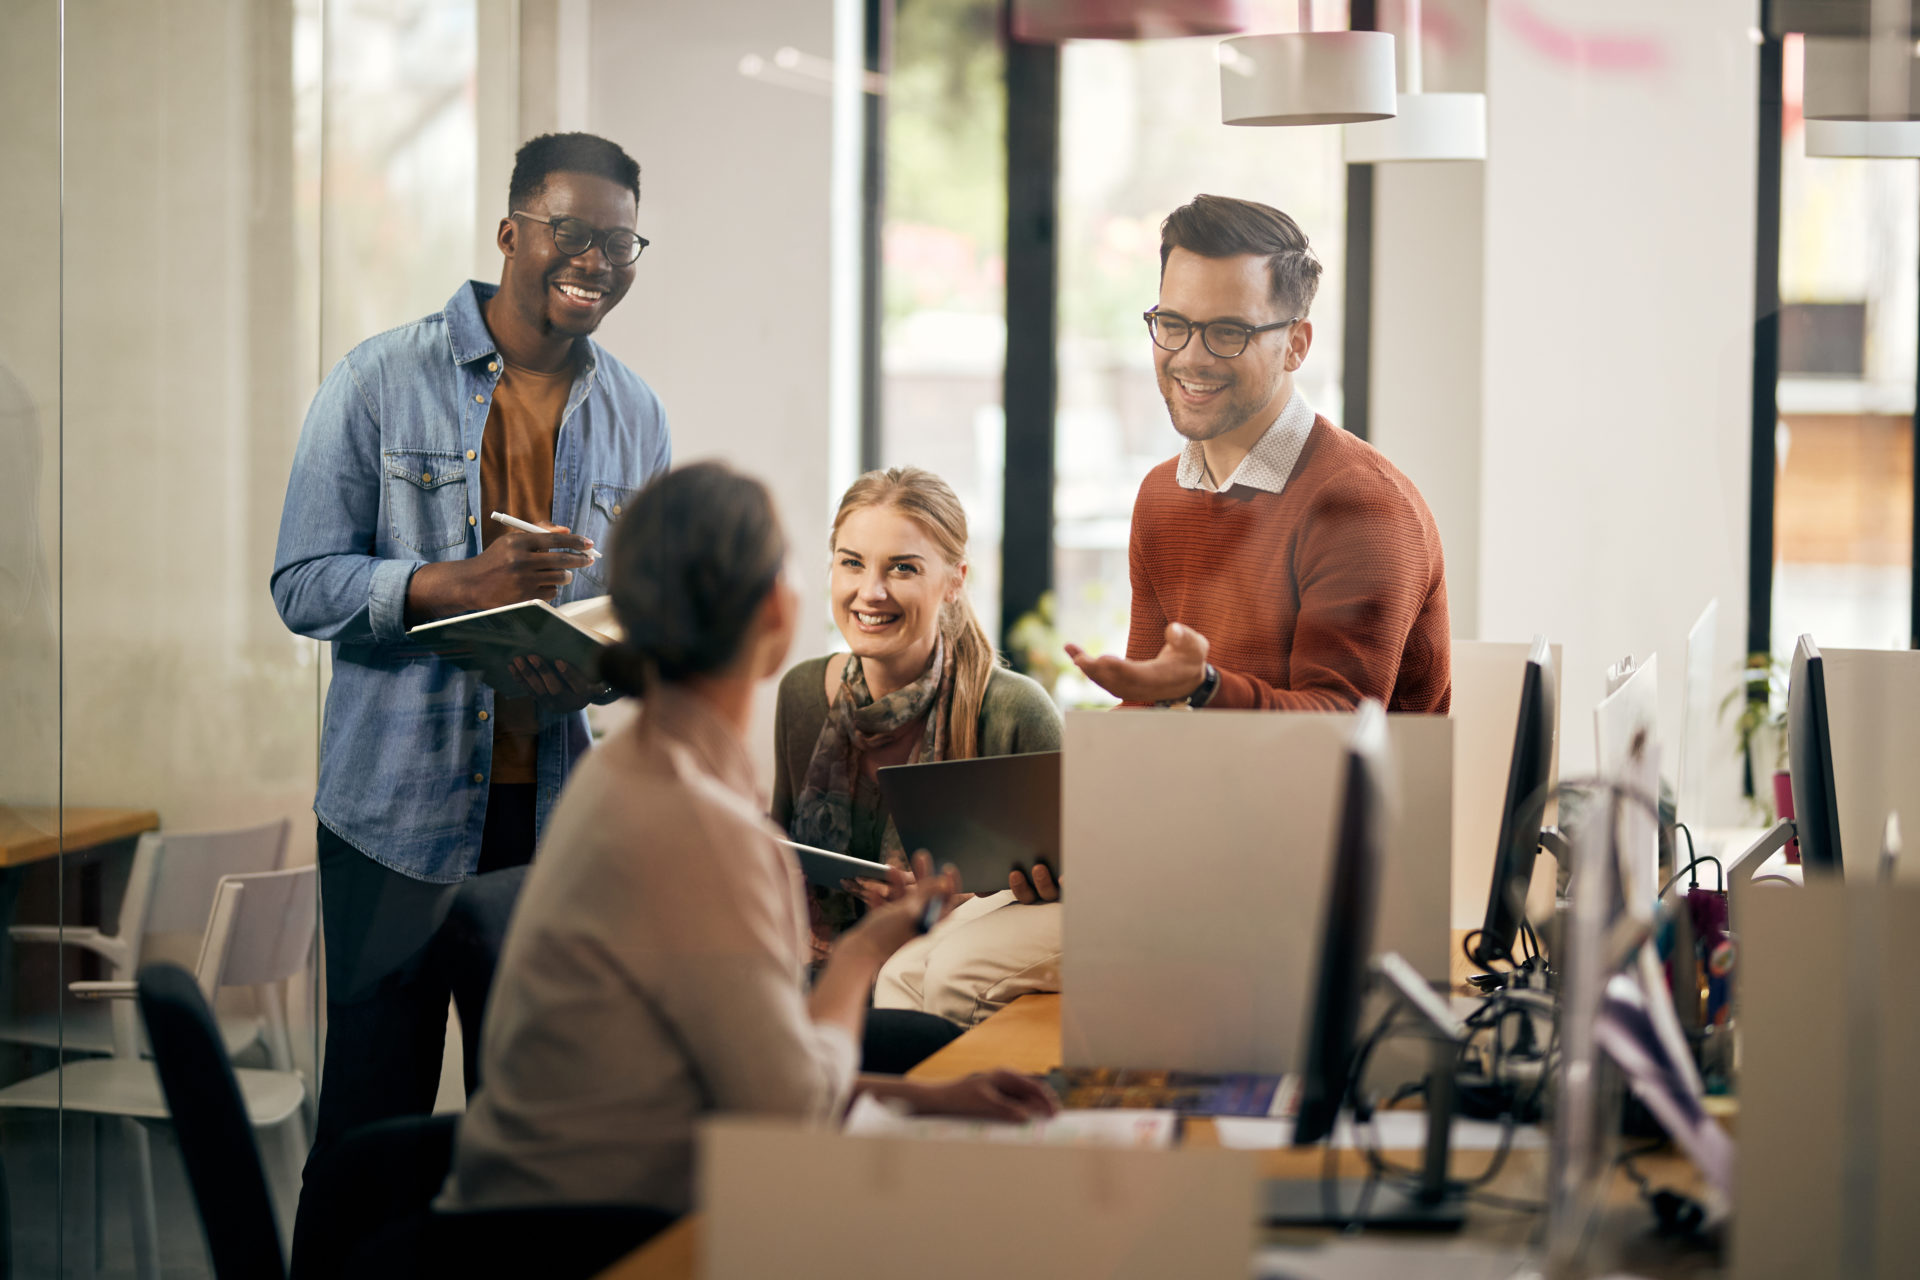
1107,1127
827,869
1872,700
1487,679
1628,715
1187,1093
501,517
1829,1115
1815,821
778,1195
488,641
1334,1057
987,816
1521,833
1696,720
1201,846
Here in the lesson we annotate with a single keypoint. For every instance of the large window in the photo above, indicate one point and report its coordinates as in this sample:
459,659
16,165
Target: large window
943,264
1133,147
1843,509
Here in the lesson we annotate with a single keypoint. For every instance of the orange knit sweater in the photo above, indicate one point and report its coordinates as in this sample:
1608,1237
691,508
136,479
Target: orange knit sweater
1330,591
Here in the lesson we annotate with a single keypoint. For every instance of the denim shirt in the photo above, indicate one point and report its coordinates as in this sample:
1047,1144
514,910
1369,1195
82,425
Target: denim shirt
387,478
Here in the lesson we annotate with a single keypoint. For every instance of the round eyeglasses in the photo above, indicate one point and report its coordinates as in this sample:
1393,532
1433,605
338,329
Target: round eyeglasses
575,236
1224,338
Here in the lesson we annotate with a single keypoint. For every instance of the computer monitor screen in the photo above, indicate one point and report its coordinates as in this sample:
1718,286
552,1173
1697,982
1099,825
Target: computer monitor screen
1816,813
1346,931
1696,719
1528,772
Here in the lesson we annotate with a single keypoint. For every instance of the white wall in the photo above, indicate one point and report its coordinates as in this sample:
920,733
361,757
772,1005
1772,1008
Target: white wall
734,195
1618,297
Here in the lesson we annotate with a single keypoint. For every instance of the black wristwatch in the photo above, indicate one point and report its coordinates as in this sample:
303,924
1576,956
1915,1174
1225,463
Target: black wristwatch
1204,691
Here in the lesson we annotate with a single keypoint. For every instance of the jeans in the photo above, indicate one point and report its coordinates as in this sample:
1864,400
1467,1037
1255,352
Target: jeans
386,998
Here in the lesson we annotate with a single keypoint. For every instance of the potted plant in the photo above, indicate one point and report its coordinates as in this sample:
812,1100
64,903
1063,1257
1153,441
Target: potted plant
1760,733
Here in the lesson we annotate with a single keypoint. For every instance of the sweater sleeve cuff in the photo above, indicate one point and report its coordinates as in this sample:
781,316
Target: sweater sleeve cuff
387,598
1236,692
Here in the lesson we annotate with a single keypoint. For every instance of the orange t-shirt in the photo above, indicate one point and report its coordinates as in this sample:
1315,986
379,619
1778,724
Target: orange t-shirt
516,477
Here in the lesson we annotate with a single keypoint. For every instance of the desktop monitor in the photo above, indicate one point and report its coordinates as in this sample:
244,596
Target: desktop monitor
1531,766
1816,812
1346,930
1696,719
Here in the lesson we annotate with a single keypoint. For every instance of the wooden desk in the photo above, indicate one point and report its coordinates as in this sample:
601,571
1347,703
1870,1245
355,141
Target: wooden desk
33,833
1026,1037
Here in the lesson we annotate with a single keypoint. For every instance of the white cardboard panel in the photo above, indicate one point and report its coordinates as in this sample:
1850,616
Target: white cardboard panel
778,1196
1825,1169
1200,844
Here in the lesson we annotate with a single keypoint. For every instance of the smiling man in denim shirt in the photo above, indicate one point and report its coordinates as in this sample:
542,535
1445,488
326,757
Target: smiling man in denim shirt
501,402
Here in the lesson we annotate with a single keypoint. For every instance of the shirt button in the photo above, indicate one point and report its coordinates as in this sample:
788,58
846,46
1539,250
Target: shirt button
471,522
469,455
479,777
426,477
479,399
483,715
616,508
493,366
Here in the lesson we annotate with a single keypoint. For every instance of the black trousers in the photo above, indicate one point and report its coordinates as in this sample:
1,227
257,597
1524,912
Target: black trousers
386,996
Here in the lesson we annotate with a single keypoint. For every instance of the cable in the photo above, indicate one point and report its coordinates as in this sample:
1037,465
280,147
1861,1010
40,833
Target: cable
1705,857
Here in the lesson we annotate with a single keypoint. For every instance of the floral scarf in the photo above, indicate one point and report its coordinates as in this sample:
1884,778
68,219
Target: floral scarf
858,722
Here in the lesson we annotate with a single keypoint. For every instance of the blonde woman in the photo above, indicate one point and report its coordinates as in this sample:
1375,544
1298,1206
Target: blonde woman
921,682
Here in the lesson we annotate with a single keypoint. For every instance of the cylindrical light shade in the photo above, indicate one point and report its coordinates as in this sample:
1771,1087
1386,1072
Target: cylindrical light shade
1313,77
1050,21
1864,139
1428,126
1839,83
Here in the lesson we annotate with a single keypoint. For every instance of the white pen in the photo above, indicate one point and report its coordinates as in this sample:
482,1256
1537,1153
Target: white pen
593,553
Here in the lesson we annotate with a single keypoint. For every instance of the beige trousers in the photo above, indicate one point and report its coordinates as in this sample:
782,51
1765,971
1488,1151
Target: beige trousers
990,951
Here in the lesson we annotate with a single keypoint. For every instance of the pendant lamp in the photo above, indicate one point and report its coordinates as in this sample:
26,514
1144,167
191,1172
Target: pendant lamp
1051,21
1860,80
1308,77
1863,139
1426,126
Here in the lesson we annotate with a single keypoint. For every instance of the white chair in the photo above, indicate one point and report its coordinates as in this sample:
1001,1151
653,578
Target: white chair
170,889
259,934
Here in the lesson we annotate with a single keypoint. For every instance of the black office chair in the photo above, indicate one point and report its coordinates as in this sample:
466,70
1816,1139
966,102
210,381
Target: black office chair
216,1138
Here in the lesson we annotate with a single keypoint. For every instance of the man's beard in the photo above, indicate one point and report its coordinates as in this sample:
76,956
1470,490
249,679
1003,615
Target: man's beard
1227,414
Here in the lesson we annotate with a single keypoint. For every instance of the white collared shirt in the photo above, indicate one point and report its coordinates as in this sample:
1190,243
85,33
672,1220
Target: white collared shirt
1268,464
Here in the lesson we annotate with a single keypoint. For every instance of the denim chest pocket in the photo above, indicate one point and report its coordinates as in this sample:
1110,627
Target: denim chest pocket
605,503
426,498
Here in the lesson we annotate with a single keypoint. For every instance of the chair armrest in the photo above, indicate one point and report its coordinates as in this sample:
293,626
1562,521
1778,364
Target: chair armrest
104,990
87,939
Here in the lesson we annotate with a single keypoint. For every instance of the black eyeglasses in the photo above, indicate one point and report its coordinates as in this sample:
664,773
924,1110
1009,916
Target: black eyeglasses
574,236
1224,338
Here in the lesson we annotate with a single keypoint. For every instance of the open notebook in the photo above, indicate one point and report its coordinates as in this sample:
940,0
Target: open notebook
487,641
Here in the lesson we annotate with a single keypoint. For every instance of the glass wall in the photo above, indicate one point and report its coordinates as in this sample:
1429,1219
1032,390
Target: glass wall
1843,503
214,201
1133,148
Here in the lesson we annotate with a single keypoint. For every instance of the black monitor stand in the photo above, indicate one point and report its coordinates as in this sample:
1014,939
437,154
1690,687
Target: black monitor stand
1429,1206
1535,972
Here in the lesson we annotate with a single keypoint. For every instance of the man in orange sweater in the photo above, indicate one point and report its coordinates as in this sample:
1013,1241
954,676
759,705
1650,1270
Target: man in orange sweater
1277,562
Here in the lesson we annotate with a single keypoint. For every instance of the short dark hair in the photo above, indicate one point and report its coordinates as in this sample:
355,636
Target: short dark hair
1223,227
552,153
693,558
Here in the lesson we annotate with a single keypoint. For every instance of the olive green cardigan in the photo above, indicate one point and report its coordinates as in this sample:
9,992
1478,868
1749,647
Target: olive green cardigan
1016,717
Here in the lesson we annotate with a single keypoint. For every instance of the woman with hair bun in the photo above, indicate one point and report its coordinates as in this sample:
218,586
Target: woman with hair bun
654,968
922,683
